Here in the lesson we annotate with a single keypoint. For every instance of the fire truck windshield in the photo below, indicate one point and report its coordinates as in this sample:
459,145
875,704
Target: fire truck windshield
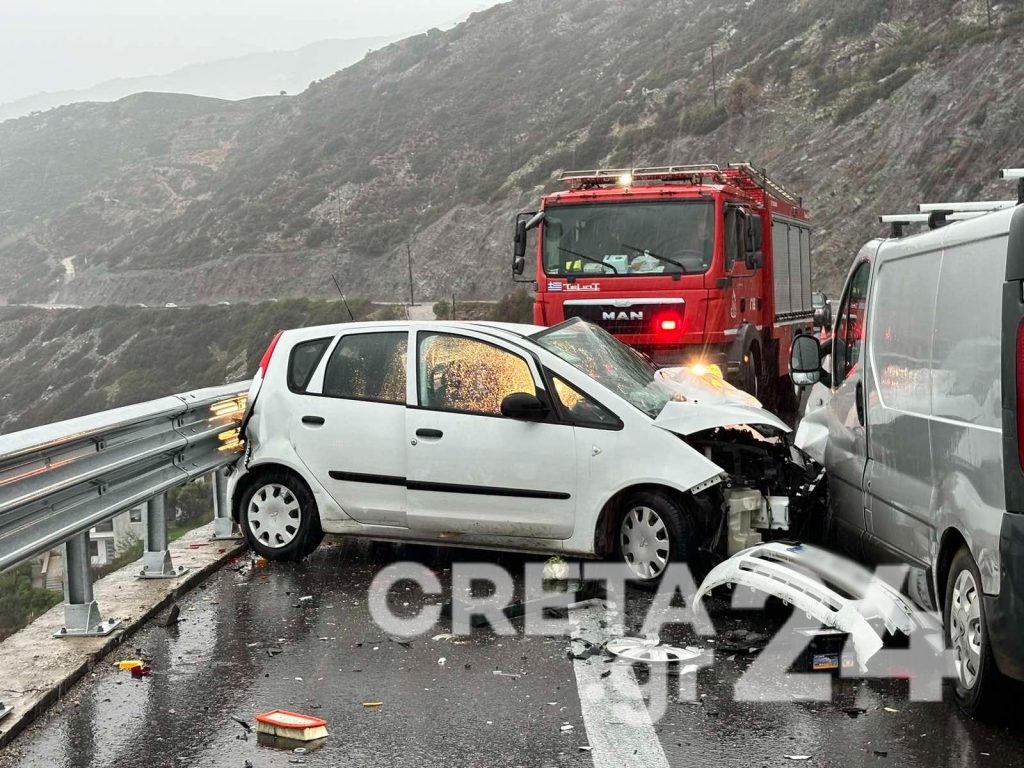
607,361
628,238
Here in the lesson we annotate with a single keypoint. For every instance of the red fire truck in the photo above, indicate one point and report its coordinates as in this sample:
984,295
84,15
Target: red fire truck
690,264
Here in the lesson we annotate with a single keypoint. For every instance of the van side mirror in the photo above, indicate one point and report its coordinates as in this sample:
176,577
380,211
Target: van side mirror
805,361
754,244
524,407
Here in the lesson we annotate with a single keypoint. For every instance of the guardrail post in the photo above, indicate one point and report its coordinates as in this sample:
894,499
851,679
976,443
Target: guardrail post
223,526
156,560
81,613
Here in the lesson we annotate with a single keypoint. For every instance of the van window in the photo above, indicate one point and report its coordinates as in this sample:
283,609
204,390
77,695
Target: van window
457,373
902,323
368,366
966,354
849,336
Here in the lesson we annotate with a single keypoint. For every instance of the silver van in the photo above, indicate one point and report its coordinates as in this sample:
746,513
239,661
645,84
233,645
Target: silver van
920,425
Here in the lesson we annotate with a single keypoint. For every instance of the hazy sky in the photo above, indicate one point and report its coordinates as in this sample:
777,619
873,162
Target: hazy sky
53,45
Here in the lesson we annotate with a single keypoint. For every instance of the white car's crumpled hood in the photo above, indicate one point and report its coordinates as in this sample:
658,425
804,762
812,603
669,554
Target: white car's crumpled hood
710,402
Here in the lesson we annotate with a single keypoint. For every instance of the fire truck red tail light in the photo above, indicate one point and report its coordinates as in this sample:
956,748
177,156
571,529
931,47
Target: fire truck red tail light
668,325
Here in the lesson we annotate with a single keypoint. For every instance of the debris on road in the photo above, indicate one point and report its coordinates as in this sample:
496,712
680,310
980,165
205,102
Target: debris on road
797,757
5,710
130,664
400,641
441,661
305,598
649,650
566,728
513,675
140,672
173,615
284,725
891,710
373,704
801,575
854,712
243,723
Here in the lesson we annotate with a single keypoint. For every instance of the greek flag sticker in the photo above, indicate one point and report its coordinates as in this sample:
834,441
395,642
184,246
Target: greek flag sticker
554,285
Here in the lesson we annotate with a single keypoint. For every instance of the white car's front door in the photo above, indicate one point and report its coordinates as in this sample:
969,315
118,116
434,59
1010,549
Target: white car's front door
351,425
471,470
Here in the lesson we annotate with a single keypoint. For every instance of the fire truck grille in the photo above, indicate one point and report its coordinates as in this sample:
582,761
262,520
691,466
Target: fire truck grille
615,320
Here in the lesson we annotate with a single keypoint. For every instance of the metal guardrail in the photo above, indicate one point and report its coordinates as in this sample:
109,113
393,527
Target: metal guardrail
60,480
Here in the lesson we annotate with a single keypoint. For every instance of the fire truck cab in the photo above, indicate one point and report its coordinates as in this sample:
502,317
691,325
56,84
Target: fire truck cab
690,264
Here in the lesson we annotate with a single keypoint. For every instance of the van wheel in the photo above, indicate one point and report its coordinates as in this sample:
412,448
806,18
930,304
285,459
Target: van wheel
279,517
653,531
978,685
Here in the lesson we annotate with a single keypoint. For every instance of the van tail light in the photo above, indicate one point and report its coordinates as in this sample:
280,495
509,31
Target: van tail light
1020,393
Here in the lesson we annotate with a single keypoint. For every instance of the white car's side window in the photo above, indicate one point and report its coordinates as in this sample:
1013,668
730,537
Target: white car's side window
456,373
368,366
581,409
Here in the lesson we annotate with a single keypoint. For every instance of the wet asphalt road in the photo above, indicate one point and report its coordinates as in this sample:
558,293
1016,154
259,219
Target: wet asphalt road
333,658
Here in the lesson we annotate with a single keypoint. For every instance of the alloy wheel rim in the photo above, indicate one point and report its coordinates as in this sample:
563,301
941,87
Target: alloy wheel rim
965,628
644,542
274,515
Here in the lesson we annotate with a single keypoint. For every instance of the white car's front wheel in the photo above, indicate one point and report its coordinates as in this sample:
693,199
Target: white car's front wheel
653,531
279,517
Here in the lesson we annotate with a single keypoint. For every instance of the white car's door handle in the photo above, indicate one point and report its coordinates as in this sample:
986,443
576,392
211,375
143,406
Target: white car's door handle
432,433
314,421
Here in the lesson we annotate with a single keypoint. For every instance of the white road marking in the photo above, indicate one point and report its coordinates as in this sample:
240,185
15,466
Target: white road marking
619,727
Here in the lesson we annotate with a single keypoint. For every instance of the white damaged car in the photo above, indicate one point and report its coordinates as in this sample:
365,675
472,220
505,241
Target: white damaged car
499,436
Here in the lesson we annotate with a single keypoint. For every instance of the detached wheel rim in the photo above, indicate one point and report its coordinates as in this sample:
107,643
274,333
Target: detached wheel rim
643,539
965,628
274,515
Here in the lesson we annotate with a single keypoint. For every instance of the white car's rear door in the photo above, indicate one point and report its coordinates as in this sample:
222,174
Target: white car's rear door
471,470
350,426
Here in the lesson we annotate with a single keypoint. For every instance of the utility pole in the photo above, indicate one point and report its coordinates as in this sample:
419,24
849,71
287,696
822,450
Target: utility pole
714,81
408,256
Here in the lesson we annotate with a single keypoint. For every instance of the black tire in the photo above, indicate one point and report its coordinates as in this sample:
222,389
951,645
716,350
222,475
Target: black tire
752,378
680,543
293,531
983,695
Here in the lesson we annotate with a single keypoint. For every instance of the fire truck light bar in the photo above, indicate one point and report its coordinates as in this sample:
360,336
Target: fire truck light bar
660,173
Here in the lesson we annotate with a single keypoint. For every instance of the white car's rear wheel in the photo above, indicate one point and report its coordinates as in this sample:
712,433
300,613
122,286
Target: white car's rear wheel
279,517
653,531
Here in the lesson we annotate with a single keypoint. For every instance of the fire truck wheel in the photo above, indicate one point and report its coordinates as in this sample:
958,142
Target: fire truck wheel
752,380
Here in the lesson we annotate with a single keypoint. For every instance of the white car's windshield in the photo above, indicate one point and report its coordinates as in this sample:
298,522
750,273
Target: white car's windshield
607,361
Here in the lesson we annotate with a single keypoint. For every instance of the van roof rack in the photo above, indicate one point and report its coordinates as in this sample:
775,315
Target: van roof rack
981,206
934,219
1018,174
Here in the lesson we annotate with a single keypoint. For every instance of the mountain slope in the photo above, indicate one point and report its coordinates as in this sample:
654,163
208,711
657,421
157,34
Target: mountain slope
242,77
431,143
